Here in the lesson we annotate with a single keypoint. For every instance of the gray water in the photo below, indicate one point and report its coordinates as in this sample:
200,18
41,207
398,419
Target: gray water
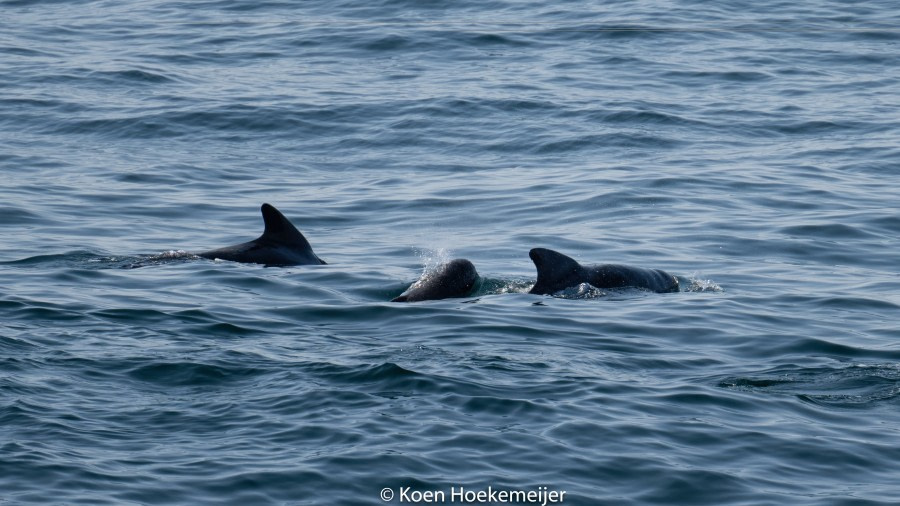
749,148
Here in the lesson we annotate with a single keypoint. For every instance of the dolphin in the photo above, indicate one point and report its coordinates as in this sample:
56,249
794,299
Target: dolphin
556,272
281,244
455,278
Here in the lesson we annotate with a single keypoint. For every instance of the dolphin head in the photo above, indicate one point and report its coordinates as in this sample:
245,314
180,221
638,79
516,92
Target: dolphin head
455,278
555,271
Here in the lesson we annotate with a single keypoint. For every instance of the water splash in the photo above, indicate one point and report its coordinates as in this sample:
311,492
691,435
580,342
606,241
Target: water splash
694,283
166,257
495,286
582,291
432,258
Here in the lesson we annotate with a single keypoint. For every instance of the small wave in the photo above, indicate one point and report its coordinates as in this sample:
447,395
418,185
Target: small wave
23,51
827,231
493,39
81,259
388,43
815,127
31,311
191,374
71,258
847,386
132,76
227,120
382,372
710,77
642,118
594,31
877,35
12,344
26,3
17,216
889,224
390,379
585,142
385,377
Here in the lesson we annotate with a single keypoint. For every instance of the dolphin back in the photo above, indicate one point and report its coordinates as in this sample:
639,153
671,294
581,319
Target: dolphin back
556,272
280,244
626,276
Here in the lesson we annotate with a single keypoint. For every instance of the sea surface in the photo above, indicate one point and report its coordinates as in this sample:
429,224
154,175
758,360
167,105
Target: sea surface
751,148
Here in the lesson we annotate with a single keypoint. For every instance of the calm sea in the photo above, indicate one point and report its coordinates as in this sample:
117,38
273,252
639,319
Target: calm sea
751,148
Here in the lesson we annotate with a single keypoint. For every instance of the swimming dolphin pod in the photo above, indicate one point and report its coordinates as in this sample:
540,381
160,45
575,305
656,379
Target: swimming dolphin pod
281,244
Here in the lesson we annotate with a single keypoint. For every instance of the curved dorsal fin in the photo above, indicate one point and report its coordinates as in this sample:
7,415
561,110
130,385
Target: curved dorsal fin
554,270
280,229
545,259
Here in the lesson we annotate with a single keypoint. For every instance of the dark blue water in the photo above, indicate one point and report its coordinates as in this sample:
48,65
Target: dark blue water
750,148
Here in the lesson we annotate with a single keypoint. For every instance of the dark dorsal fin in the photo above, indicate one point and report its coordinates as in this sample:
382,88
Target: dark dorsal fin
279,229
546,259
554,270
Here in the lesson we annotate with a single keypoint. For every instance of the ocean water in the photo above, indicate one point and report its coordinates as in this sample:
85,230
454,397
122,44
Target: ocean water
750,148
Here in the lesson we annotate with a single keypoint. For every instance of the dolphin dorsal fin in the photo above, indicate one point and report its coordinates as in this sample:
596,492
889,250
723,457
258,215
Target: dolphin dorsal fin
552,268
280,229
545,259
